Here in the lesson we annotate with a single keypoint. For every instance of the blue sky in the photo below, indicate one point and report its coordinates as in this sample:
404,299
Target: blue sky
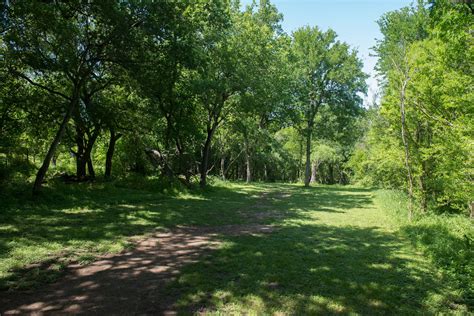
353,20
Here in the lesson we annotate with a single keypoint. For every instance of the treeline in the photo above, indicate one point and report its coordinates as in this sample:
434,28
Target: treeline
187,89
420,137
178,89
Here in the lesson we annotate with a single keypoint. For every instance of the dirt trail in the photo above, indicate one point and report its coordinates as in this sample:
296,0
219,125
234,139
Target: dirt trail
132,282
128,283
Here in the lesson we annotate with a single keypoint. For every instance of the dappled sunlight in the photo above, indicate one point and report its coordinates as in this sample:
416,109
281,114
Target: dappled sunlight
344,276
234,249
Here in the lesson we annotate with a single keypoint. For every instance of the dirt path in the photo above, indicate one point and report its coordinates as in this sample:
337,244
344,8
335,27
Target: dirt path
128,283
131,282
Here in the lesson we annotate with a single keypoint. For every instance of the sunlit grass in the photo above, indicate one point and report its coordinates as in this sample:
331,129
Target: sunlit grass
335,249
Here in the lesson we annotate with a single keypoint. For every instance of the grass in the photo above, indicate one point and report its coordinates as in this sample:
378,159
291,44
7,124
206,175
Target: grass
447,239
335,250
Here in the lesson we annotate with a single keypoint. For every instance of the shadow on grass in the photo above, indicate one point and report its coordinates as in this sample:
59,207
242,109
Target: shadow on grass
310,268
333,199
300,270
454,254
305,270
89,219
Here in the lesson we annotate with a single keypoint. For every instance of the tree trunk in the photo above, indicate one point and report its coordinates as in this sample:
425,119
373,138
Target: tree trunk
223,168
314,171
84,150
248,171
307,171
331,173
52,148
406,148
265,172
248,167
81,159
300,159
90,167
110,153
205,156
81,166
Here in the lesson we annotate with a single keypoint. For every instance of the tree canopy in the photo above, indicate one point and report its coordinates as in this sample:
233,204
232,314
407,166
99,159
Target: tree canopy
187,90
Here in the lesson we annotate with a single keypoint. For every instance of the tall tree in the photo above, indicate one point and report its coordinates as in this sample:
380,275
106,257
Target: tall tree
327,72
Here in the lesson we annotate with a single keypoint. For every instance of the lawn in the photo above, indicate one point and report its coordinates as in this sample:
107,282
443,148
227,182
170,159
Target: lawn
333,249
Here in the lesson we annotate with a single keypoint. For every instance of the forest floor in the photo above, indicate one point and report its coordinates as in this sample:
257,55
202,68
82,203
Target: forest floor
233,249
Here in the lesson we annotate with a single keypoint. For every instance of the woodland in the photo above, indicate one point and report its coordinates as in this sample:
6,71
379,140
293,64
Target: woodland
121,117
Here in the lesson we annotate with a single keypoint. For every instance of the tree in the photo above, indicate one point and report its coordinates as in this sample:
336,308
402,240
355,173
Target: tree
327,72
424,63
60,47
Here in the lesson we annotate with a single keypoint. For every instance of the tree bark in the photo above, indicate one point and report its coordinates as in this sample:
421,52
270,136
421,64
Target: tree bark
110,153
248,171
406,148
81,159
307,173
314,170
223,168
81,164
90,167
248,167
84,150
57,138
205,156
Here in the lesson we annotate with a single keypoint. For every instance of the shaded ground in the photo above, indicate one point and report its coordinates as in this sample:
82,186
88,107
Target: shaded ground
261,249
128,283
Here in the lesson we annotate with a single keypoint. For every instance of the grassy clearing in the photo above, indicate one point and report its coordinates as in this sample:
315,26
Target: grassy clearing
335,250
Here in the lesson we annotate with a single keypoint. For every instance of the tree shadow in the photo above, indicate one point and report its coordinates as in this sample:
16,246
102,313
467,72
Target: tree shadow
301,269
305,270
333,199
95,218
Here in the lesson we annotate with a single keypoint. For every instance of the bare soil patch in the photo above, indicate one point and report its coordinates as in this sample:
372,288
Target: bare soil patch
127,283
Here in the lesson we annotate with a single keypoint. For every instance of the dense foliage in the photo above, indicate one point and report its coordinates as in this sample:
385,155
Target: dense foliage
183,90
176,89
421,135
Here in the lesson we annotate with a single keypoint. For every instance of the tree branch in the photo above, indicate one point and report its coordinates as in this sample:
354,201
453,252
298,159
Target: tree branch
19,74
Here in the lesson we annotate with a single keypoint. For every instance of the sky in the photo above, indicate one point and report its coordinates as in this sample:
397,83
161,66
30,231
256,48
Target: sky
353,20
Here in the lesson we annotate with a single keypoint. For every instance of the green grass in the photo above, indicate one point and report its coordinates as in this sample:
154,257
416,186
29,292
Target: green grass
448,240
335,250
80,221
